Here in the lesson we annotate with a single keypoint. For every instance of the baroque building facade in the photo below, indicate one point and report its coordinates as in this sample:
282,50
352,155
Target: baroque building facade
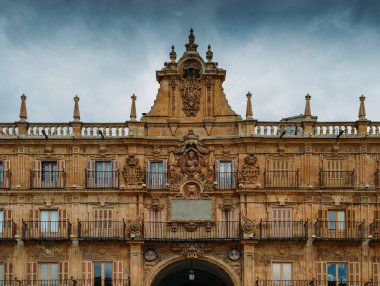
191,194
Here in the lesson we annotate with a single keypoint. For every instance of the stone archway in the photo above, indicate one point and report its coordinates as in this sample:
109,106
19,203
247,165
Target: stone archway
206,273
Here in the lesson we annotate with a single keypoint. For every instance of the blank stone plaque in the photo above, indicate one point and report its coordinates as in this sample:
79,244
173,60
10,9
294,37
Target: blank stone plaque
191,210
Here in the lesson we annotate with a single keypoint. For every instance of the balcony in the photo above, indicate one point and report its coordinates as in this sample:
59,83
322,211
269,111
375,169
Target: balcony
99,282
46,230
374,231
226,180
190,231
311,283
283,230
5,180
102,179
337,179
47,179
64,282
7,230
156,180
339,230
102,230
281,179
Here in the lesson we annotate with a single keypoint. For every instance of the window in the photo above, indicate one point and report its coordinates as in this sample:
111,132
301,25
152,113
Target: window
5,174
225,174
282,222
156,175
1,174
49,221
48,274
337,274
102,174
49,174
1,273
336,220
102,273
282,273
103,223
1,224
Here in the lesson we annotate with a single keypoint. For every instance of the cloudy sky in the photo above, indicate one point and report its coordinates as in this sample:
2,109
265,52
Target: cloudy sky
105,51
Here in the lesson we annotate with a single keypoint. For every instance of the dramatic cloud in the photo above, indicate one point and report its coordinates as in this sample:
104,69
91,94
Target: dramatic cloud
105,51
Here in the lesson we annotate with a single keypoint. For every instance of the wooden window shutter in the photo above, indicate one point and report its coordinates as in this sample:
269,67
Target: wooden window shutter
61,173
62,224
8,225
6,174
8,271
115,173
90,174
376,272
63,274
164,175
31,271
233,168
87,274
147,174
217,175
35,217
322,272
117,272
37,166
354,272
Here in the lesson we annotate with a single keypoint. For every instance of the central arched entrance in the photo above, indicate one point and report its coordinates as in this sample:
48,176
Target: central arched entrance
205,274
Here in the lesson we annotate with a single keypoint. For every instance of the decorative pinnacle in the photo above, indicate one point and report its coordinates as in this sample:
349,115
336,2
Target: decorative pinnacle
362,112
191,45
76,114
209,53
307,113
23,114
133,108
248,113
173,55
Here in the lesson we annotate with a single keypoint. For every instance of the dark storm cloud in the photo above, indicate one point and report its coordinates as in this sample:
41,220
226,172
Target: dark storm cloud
106,50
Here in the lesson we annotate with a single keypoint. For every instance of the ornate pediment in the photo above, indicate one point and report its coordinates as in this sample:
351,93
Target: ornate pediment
191,161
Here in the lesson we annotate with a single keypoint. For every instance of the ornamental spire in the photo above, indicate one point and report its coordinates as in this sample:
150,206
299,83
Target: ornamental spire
191,45
362,113
173,55
23,114
248,113
133,108
76,114
307,113
209,53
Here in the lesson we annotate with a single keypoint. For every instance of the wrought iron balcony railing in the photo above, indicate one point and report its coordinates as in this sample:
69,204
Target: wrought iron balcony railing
7,230
47,179
283,230
312,283
177,231
377,179
337,179
102,230
5,180
156,180
102,179
60,282
281,179
374,230
226,180
99,282
46,230
339,230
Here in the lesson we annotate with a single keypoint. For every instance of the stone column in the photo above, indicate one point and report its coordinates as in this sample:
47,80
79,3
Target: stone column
136,263
248,273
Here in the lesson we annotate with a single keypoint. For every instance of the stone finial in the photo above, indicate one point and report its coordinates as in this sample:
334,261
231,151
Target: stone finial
248,113
307,113
209,54
173,55
23,114
133,108
76,114
362,114
191,45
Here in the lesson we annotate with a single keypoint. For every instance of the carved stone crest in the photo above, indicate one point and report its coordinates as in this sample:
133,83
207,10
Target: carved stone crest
132,171
191,95
192,250
191,161
155,204
250,171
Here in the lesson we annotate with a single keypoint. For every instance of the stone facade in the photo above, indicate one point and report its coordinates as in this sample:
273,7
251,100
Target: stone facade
190,186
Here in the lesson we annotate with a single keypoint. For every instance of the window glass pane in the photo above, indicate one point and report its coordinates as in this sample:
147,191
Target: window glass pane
341,216
276,271
97,270
44,271
1,271
1,171
287,271
331,216
44,215
54,271
331,271
342,272
108,270
1,224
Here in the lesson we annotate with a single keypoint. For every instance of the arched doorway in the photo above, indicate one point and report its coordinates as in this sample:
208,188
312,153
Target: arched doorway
204,274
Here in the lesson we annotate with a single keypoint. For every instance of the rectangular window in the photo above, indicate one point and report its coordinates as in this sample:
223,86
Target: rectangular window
225,175
49,221
1,174
282,222
1,223
103,174
102,273
1,272
336,220
282,273
156,177
48,274
337,274
49,173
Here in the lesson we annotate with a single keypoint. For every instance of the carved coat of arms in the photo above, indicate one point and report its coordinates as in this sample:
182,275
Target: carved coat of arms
191,95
